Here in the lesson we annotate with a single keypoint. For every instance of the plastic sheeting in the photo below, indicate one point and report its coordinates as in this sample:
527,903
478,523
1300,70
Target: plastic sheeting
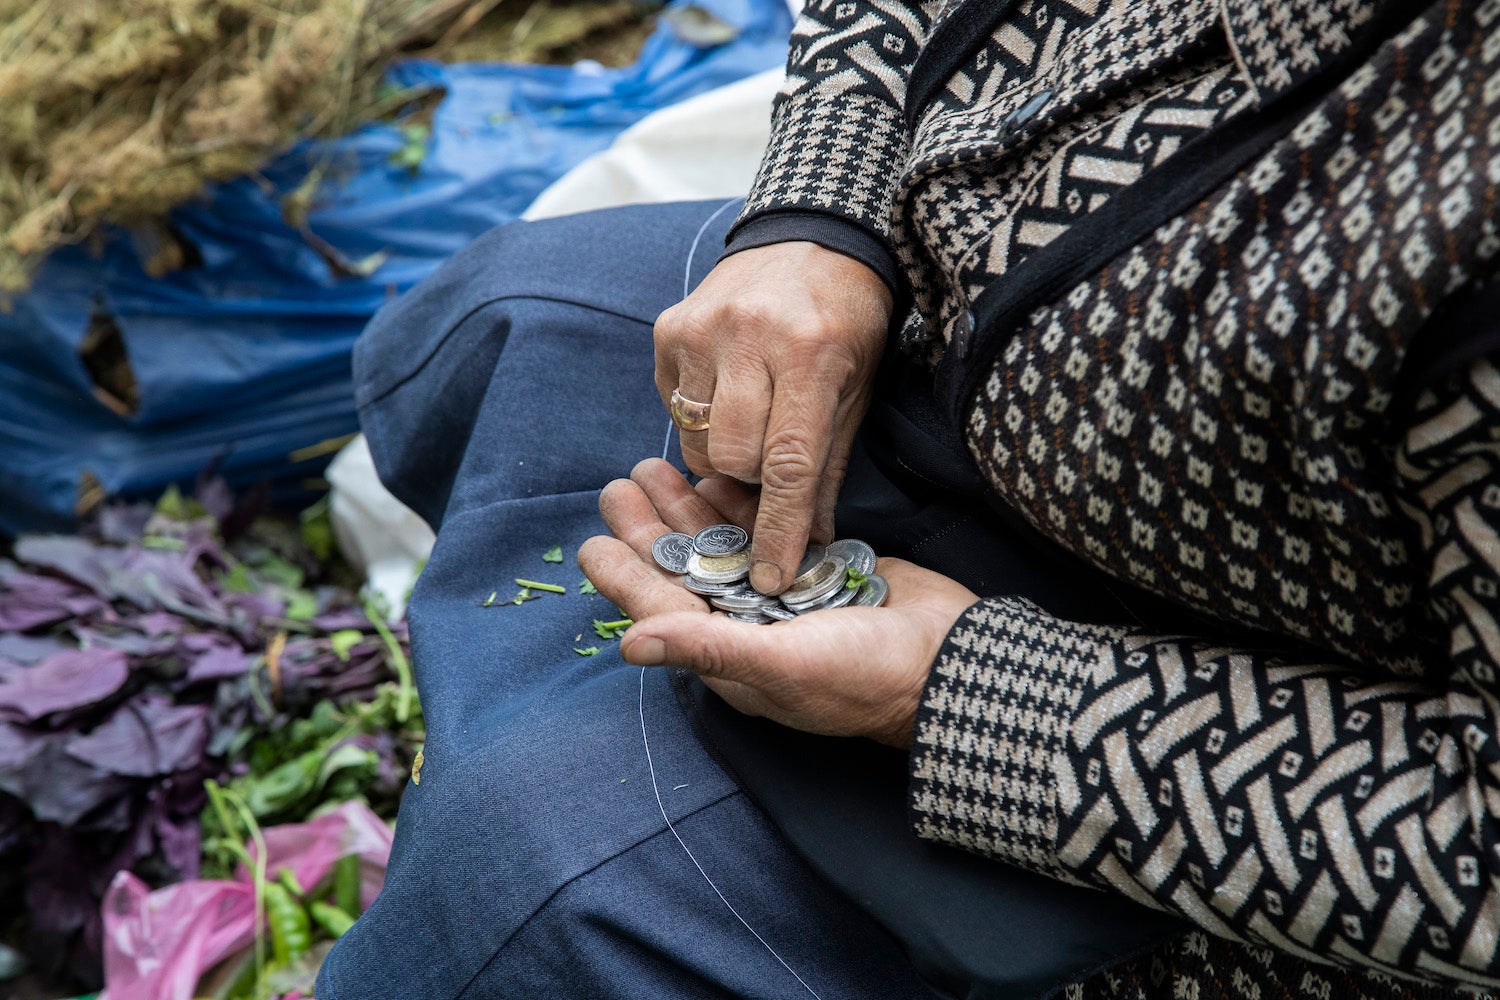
243,359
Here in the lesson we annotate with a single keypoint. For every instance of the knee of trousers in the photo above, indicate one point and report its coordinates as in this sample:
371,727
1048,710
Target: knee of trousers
424,365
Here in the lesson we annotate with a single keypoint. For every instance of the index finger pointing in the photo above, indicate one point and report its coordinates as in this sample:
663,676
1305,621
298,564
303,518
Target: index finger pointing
797,446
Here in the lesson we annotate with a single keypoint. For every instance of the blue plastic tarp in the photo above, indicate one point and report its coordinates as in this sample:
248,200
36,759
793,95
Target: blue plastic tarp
243,359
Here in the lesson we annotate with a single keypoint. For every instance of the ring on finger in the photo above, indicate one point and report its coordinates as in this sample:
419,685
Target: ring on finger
688,414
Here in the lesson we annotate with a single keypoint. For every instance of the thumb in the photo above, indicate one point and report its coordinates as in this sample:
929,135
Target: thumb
709,645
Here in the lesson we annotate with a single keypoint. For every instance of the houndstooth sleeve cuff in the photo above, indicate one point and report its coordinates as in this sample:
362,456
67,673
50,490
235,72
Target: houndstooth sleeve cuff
837,157
993,721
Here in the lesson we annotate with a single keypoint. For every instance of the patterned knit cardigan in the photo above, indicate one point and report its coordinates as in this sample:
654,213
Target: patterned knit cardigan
1203,283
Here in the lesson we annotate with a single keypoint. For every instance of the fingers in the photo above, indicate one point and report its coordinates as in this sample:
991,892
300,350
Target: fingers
631,517
742,405
798,441
683,363
636,586
712,646
735,502
681,507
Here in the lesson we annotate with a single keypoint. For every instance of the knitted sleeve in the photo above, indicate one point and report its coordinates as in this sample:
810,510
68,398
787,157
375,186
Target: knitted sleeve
837,126
1284,800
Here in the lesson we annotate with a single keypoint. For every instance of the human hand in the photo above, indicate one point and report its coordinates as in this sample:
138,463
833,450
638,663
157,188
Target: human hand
784,341
851,671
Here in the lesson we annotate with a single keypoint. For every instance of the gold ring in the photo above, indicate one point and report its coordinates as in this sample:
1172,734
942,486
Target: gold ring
687,414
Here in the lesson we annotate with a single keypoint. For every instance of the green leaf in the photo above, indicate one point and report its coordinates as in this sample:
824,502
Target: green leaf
344,640
853,579
523,595
277,570
587,587
237,580
301,605
284,786
413,148
163,542
586,650
332,919
611,630
489,602
317,529
553,555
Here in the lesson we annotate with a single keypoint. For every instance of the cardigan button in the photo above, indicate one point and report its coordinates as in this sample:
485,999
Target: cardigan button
1026,112
963,334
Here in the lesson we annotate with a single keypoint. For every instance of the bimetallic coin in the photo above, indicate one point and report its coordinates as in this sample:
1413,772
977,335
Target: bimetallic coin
720,540
858,554
810,588
719,569
811,560
778,612
872,594
706,589
671,551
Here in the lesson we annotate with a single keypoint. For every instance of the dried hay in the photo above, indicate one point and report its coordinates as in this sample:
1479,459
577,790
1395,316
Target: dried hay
115,111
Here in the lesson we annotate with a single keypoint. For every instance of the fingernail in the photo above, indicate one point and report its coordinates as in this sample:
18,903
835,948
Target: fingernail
765,576
648,652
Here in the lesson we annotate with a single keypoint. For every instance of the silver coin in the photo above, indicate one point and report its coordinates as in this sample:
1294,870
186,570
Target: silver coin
753,617
858,554
812,587
671,551
730,568
706,589
844,595
873,593
720,540
740,601
778,612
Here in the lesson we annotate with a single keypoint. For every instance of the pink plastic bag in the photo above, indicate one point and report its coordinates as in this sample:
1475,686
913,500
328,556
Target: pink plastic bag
157,945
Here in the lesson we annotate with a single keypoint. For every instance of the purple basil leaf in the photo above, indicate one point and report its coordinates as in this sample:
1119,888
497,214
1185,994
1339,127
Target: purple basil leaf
124,523
217,662
62,790
29,650
76,558
18,747
161,623
145,737
66,680
213,493
29,600
124,641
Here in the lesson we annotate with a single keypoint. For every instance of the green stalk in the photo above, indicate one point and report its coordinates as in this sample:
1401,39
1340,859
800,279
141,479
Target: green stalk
398,662
551,588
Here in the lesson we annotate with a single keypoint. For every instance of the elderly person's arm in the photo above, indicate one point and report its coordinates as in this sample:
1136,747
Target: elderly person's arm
783,337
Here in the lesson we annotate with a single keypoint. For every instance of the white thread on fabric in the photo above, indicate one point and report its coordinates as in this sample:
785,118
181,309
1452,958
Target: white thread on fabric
654,788
687,284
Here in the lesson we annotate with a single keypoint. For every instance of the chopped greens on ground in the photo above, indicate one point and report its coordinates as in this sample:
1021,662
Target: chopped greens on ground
553,555
611,630
587,587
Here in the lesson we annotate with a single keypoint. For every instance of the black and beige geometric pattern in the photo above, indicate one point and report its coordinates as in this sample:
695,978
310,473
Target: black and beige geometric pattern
1200,967
1109,89
1214,417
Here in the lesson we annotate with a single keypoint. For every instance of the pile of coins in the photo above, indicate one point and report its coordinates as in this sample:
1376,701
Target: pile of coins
715,563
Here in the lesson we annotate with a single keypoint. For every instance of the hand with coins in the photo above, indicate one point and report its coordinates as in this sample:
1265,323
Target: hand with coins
766,368
844,650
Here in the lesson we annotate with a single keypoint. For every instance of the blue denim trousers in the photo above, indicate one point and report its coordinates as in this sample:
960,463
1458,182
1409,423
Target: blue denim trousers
534,858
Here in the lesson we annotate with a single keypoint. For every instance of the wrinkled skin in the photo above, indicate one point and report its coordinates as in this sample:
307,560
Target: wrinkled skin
784,341
849,671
